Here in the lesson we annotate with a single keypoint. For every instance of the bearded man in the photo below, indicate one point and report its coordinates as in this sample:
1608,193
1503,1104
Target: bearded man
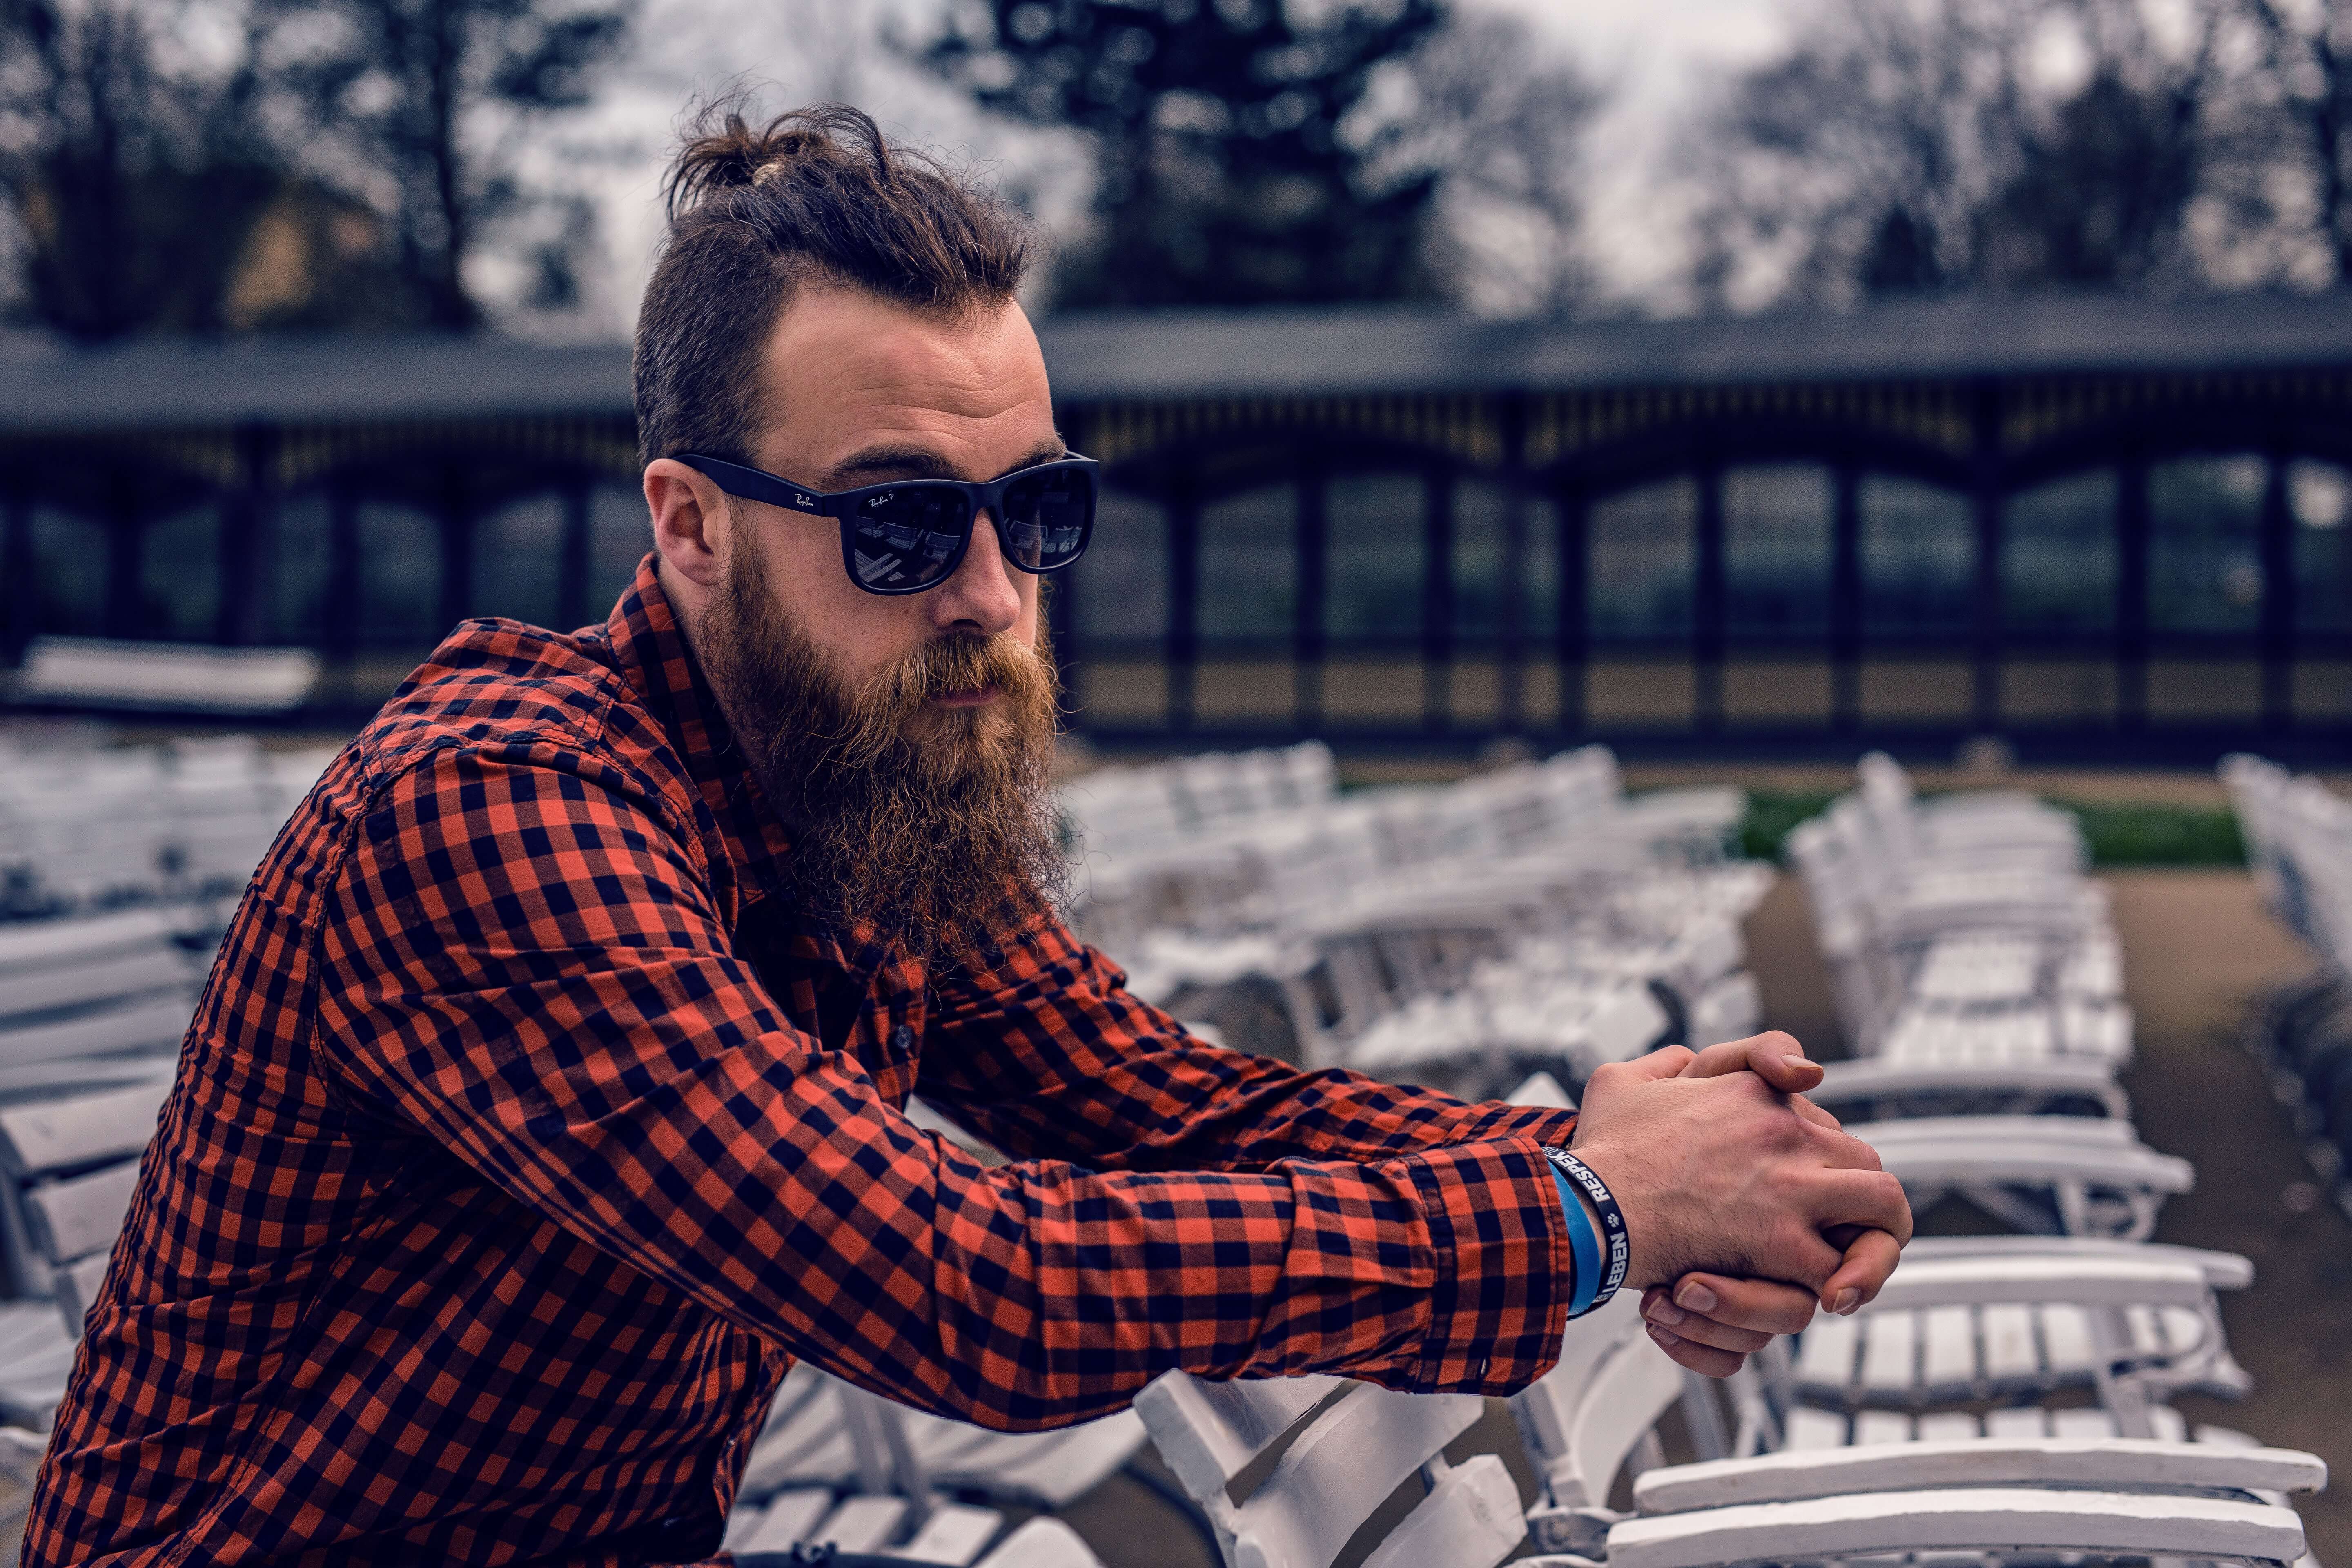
548,1098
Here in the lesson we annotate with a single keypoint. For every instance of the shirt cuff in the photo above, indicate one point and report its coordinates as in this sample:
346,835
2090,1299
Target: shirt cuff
1499,1303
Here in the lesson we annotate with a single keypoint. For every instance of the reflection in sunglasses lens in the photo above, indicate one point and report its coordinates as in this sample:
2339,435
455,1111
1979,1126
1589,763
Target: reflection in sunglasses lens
908,538
1047,517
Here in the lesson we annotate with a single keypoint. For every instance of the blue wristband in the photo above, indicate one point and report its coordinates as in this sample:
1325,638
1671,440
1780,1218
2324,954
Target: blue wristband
1583,1246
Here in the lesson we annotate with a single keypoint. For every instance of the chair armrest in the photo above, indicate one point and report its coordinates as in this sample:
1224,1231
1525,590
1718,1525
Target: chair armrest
2107,1464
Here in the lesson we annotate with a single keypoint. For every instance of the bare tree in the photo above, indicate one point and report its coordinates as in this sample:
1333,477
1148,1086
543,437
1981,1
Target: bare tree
2308,61
1502,119
1928,146
426,100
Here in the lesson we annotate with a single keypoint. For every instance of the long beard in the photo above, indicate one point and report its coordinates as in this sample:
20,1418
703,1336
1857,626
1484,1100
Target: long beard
931,829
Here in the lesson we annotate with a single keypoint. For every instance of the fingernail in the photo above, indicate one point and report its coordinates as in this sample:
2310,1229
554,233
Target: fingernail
1664,1311
1794,1062
1696,1297
1663,1338
1849,1301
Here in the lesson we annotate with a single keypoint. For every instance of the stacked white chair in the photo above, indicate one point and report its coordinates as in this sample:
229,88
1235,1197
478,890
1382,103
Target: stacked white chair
1965,946
2298,836
836,1465
1533,915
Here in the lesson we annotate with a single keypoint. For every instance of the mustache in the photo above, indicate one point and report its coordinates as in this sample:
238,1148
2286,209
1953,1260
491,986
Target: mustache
947,666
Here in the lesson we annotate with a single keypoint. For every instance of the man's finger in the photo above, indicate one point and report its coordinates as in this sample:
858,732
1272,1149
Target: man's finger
1765,1306
1704,1360
1871,1198
1659,1309
1815,1113
1774,1056
1666,1061
1869,1257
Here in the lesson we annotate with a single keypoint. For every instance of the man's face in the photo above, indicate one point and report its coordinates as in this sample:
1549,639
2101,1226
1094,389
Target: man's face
908,740
860,393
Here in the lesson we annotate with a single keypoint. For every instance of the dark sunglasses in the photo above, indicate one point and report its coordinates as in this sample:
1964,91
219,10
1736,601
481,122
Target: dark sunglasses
905,537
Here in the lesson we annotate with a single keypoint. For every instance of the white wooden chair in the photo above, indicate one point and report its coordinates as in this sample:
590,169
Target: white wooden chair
2102,1496
2067,1175
104,999
1877,1089
1350,1447
1980,1320
835,1463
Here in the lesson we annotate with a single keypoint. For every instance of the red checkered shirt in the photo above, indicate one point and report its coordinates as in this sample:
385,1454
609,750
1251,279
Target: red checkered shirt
524,1136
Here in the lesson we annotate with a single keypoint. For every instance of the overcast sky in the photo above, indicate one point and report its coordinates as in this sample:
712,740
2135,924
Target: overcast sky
1659,59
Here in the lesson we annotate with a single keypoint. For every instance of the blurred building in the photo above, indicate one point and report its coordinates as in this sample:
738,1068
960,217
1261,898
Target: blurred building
2096,526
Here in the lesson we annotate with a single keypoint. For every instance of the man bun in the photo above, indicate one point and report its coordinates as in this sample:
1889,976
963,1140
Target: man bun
813,194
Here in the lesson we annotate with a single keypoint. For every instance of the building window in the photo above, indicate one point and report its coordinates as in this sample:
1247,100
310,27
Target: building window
1120,589
1375,531
1642,555
519,560
1919,560
1776,552
2319,497
70,554
400,577
619,534
2204,548
1481,524
299,551
180,570
1249,565
2058,556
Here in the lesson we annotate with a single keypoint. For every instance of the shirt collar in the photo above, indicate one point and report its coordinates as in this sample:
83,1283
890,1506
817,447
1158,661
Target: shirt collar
650,649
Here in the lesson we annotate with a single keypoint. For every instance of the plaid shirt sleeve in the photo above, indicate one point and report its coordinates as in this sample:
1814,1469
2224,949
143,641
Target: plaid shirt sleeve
1053,1055
522,959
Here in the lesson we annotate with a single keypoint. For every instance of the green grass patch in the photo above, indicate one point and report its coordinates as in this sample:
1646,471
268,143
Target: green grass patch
2137,835
1771,815
2158,834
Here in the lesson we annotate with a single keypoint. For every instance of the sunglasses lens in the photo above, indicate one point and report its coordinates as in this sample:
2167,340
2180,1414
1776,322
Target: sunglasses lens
1047,518
908,537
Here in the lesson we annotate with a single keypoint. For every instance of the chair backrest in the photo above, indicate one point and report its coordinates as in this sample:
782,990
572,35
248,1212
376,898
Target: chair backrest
2111,1286
1352,1445
67,1169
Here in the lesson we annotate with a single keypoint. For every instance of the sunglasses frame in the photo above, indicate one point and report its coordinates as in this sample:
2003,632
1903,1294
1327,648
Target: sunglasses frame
757,484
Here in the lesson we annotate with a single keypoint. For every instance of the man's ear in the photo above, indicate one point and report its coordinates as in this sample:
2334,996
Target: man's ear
690,519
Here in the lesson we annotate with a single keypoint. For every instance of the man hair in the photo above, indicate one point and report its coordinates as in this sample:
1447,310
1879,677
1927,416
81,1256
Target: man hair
816,196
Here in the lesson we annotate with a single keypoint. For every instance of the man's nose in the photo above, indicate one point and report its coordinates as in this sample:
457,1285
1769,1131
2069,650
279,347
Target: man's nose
981,598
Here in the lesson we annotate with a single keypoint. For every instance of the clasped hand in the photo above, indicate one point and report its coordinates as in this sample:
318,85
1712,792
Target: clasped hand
1746,1203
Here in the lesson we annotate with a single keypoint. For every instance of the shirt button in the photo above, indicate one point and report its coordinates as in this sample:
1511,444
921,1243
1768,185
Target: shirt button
1478,1369
901,1037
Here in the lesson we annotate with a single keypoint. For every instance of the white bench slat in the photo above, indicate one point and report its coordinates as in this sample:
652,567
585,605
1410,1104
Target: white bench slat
861,1523
784,1523
1890,1351
2222,1270
50,1135
1960,1520
41,944
155,1022
1042,1542
76,1217
1209,1432
77,1285
1345,1465
105,979
2109,1463
1471,1518
953,1534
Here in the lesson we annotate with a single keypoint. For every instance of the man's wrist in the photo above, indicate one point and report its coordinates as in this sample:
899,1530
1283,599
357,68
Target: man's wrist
1597,1234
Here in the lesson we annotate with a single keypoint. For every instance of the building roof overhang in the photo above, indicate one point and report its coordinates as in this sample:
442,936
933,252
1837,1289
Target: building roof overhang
1194,353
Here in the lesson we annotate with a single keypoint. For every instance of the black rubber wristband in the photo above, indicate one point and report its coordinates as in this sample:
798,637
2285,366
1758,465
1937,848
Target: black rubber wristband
1613,1221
